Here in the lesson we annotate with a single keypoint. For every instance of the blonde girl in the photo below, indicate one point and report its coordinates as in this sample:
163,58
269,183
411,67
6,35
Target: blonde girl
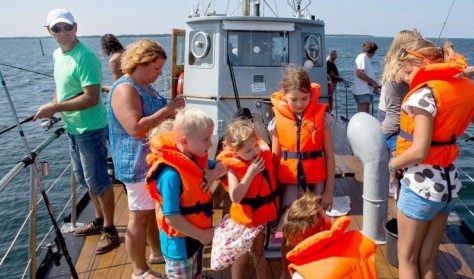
434,114
252,189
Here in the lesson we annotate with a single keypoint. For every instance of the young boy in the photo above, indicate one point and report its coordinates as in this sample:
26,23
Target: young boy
178,181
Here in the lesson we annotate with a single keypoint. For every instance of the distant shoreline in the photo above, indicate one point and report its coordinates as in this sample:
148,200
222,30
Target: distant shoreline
92,36
169,35
165,35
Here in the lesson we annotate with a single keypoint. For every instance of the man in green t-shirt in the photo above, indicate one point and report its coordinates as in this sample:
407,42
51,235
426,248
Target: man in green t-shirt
78,77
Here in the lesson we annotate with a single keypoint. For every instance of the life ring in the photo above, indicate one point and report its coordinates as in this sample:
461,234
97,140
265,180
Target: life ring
180,84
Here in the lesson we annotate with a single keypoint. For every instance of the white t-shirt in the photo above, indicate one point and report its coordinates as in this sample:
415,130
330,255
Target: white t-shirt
360,87
429,181
382,104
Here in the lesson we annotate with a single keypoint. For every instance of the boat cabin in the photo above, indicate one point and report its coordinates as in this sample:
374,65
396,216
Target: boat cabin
238,61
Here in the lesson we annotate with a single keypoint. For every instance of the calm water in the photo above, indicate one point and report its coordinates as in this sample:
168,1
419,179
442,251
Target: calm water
29,90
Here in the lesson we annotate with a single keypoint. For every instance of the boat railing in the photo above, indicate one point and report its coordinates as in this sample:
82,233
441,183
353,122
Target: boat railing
465,177
346,84
32,216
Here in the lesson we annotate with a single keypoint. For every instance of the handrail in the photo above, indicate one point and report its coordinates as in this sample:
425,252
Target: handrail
31,216
211,97
18,168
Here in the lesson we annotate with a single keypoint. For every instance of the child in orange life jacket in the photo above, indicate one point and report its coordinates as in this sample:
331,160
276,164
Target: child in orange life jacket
322,250
178,180
435,112
302,142
252,189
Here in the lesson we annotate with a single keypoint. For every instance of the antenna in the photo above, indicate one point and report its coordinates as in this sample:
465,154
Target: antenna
296,6
444,24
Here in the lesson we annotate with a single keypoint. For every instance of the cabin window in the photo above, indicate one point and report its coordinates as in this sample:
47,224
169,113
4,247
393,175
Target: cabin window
200,48
262,49
312,50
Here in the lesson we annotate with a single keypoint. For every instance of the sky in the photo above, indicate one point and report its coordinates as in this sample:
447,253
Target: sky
21,18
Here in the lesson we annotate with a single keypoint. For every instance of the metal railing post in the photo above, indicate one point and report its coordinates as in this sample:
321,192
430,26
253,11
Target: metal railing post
74,199
347,112
72,225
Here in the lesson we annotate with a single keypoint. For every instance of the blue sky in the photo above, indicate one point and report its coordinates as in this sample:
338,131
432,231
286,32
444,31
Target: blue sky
368,17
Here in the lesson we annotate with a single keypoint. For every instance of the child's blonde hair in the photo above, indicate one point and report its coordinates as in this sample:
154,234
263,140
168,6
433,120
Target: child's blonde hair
238,133
188,121
430,54
164,127
304,218
296,78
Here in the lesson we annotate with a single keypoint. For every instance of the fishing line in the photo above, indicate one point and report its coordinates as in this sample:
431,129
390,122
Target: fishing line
26,70
31,161
444,24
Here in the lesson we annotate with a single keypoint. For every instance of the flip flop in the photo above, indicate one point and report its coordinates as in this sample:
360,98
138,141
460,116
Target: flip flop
146,273
157,260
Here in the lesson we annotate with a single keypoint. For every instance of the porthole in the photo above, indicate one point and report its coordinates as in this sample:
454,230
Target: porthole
200,44
312,47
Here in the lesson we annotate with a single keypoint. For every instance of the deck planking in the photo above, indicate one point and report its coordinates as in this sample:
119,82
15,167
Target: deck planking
117,264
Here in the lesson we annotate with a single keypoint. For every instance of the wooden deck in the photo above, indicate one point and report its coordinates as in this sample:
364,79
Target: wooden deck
117,264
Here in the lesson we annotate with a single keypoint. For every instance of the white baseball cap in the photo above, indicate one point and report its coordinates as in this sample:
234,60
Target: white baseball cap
59,15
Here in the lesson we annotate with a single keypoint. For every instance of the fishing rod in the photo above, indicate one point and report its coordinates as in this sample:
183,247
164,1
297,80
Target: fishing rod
47,123
444,24
31,161
234,85
13,126
26,70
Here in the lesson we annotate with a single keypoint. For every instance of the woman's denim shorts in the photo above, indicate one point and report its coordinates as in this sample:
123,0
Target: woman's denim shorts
364,98
419,208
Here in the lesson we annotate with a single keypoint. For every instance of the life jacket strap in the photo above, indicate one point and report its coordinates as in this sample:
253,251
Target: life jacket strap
197,208
259,201
409,137
448,182
305,155
391,135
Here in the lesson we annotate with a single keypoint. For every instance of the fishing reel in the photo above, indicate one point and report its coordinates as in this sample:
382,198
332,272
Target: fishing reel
48,123
54,252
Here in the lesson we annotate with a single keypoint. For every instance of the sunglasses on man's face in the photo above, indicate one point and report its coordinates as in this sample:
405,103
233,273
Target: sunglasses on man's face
66,28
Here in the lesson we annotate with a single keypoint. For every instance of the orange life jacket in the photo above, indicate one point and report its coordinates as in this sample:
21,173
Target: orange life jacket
310,132
455,109
195,205
260,203
334,254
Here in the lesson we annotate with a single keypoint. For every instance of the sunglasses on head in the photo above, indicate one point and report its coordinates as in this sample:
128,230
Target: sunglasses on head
404,52
66,28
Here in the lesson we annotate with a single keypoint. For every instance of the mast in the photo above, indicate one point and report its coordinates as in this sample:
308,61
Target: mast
246,8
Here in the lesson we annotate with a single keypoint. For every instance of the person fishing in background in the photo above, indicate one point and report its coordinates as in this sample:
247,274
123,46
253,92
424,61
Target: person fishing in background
112,47
364,84
333,73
